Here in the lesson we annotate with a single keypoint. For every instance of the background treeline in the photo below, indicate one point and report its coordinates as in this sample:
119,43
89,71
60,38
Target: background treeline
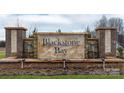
2,43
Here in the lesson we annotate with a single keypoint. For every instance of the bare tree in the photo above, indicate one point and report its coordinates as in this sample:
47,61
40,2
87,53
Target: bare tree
88,29
116,22
103,22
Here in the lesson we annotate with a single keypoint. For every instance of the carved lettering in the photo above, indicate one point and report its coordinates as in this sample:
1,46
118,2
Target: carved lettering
60,50
58,42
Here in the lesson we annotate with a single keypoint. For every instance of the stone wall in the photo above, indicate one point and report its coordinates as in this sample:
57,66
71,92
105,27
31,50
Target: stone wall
61,45
57,68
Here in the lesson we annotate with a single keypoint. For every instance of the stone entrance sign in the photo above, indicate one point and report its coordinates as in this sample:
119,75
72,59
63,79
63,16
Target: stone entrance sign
60,46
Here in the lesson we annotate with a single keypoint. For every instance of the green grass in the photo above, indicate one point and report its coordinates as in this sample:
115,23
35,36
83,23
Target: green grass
65,77
2,54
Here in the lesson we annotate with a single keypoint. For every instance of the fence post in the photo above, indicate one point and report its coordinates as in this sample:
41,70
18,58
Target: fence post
64,66
22,63
103,61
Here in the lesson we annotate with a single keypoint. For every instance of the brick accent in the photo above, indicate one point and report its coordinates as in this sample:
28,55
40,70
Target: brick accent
20,36
8,43
113,42
35,46
101,43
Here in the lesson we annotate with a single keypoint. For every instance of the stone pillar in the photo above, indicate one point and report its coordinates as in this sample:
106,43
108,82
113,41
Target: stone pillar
14,41
107,39
35,44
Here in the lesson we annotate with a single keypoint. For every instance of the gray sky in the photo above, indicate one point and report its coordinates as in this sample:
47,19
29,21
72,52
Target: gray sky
51,22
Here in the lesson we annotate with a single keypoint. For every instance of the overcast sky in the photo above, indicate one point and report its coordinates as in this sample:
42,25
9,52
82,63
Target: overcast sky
51,23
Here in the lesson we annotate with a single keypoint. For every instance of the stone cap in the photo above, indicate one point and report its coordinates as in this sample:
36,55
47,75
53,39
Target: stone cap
16,28
92,39
61,33
105,28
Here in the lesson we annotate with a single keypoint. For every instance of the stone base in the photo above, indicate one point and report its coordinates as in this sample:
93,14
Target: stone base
40,67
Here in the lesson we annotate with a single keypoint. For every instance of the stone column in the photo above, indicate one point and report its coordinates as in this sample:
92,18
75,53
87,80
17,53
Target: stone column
107,39
14,41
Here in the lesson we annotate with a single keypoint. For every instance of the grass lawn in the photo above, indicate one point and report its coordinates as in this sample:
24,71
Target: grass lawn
2,54
65,77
